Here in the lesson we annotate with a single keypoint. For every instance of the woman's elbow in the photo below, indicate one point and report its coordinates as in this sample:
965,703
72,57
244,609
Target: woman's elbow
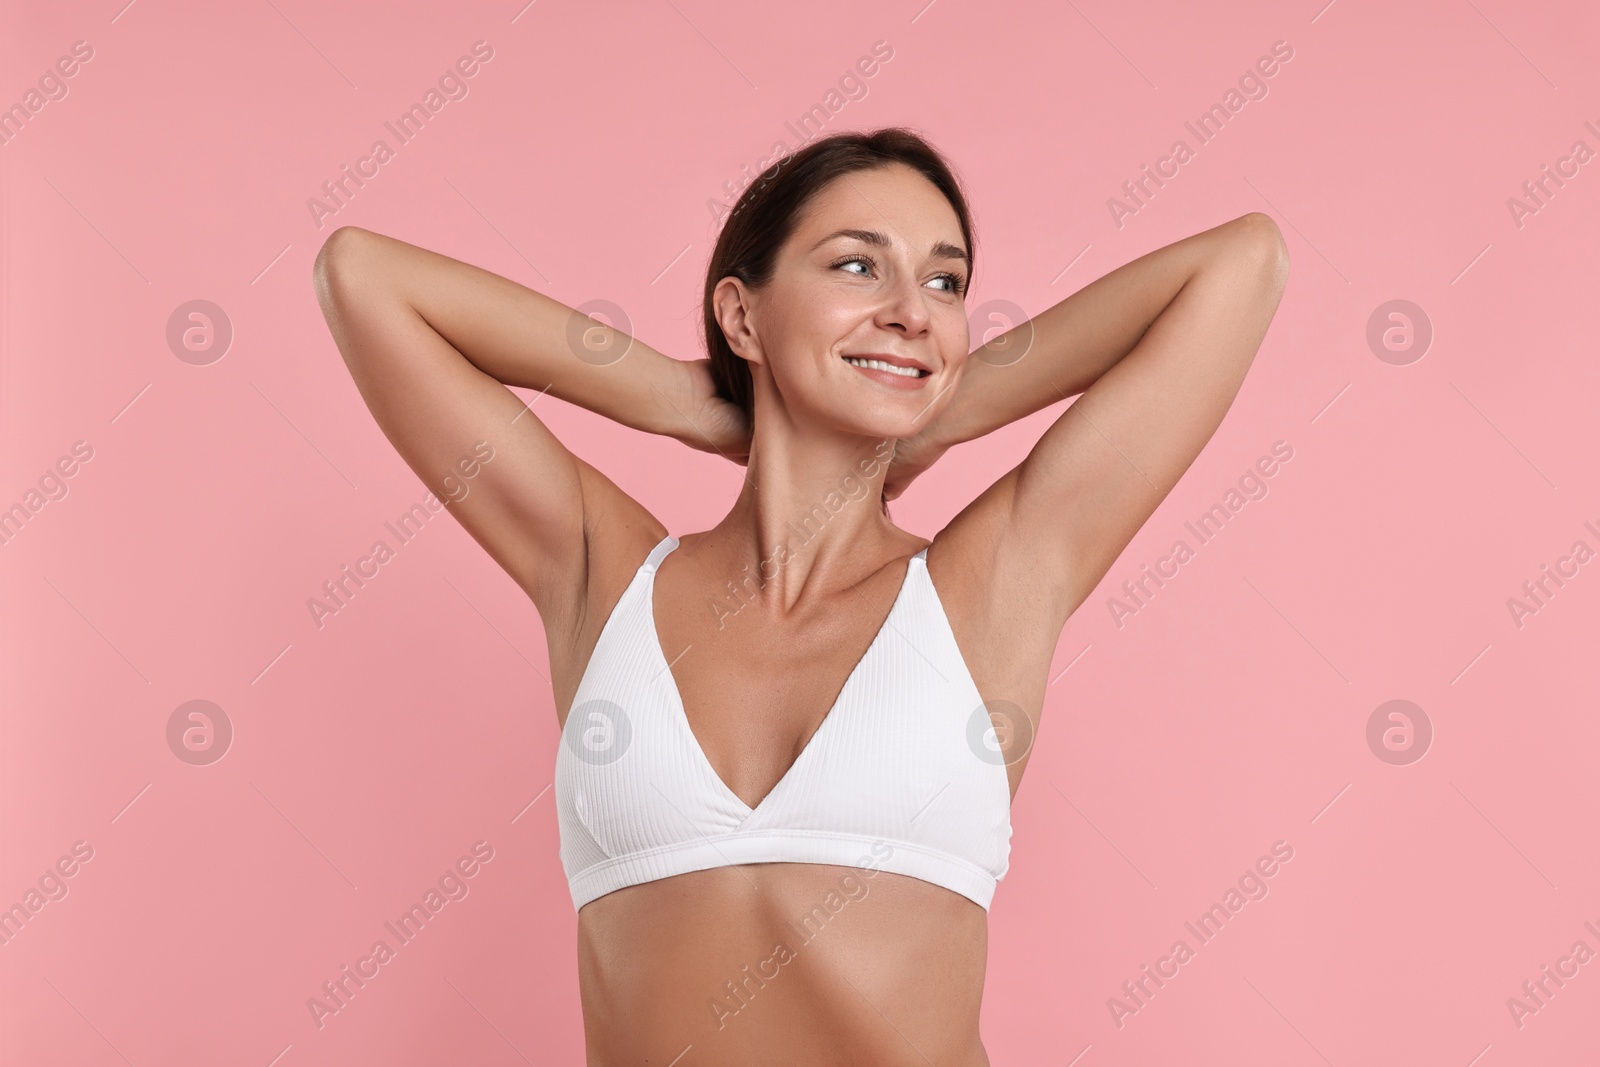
338,263
1262,243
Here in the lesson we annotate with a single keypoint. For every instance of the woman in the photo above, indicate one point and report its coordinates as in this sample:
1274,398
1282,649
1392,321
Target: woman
783,794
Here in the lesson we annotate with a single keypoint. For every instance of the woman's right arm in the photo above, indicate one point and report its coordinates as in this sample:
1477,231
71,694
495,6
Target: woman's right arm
431,343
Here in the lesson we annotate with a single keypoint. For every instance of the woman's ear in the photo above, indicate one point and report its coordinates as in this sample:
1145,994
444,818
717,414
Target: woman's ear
732,304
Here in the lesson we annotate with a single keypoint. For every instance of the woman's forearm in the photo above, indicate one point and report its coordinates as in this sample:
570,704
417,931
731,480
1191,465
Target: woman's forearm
516,335
1067,347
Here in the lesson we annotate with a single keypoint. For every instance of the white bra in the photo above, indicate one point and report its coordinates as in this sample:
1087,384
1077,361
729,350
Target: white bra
903,775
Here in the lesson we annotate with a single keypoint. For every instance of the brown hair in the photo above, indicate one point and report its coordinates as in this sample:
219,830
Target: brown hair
769,210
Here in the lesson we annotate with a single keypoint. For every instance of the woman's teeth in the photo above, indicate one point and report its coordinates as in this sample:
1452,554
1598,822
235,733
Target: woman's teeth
878,364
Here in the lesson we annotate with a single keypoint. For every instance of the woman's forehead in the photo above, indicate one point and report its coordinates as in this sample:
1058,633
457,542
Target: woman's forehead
887,207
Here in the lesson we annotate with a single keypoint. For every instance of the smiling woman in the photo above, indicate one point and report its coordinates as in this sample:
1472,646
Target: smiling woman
720,774
748,248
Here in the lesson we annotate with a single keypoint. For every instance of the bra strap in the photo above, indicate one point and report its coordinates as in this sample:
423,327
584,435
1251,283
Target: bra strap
665,545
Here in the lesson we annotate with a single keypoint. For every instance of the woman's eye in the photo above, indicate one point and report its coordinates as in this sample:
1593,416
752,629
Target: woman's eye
952,283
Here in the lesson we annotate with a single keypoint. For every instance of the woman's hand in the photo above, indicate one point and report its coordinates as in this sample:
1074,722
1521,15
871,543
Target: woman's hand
705,421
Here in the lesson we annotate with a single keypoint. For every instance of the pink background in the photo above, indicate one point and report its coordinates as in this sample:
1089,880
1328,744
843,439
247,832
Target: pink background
1228,714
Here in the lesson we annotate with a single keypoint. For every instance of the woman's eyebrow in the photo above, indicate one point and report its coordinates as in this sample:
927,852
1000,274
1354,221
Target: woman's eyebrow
946,250
940,249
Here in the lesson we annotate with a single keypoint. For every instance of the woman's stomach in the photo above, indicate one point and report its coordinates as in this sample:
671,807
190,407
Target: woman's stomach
782,963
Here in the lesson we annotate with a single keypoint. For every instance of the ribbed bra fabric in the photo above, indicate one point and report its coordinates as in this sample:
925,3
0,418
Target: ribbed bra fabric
901,776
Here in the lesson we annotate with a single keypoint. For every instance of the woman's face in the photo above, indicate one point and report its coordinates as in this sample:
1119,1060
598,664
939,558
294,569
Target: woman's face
876,268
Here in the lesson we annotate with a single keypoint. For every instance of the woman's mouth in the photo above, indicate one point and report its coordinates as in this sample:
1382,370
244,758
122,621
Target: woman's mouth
884,366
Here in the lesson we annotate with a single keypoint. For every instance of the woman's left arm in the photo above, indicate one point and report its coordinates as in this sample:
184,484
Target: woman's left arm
1159,348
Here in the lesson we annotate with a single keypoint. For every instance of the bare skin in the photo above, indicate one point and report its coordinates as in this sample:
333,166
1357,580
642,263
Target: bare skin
1157,349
